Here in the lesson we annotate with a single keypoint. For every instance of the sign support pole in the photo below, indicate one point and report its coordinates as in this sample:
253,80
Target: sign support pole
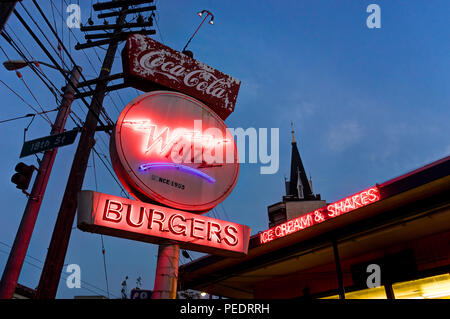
17,255
337,262
166,277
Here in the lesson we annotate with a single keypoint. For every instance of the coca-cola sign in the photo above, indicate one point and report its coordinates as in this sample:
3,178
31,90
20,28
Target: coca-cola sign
149,65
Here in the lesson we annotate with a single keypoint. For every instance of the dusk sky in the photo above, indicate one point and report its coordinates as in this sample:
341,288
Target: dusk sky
367,105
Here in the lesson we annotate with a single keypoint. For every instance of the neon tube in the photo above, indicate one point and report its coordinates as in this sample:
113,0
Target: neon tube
187,169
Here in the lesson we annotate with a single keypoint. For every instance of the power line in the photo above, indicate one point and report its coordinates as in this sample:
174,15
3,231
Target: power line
36,70
36,39
40,268
101,236
23,100
34,97
111,173
25,116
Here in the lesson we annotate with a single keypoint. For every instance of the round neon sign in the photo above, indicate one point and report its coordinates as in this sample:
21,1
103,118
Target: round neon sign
171,149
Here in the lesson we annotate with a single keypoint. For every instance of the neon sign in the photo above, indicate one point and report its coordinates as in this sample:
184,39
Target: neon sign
188,169
171,149
121,217
330,211
163,142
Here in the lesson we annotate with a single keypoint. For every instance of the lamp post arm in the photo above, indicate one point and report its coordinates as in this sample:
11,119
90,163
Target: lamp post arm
206,16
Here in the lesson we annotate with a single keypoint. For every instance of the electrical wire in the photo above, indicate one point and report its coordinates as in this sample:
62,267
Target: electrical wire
36,70
54,62
23,100
63,274
30,31
111,173
101,236
25,116
34,97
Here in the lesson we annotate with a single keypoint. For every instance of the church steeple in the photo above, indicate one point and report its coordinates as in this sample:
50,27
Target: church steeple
299,199
292,132
299,185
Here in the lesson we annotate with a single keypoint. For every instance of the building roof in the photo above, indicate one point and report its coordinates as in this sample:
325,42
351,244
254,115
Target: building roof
403,196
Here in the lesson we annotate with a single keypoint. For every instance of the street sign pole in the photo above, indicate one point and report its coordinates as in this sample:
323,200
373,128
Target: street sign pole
17,255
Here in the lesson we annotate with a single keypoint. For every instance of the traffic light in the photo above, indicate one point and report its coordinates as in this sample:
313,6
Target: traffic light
23,176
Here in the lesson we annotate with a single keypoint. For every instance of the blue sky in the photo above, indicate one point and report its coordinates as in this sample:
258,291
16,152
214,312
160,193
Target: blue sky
367,105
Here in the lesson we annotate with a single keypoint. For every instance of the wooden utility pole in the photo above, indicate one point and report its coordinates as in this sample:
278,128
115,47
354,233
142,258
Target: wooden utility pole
21,242
51,273
6,8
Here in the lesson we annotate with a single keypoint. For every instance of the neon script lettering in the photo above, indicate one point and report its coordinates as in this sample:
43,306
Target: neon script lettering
335,209
164,141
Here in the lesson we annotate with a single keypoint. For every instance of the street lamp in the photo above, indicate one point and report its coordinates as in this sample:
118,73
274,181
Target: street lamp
200,14
13,65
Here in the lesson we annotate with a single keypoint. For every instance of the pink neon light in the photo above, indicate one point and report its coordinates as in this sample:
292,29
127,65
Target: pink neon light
330,211
164,139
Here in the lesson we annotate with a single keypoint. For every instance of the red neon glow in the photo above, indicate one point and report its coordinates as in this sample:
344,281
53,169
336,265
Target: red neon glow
136,220
171,149
333,210
164,139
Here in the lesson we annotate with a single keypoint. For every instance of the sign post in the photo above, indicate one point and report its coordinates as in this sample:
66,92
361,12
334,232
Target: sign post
166,277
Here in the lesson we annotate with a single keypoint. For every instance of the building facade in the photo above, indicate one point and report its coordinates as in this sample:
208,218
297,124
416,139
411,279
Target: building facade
395,247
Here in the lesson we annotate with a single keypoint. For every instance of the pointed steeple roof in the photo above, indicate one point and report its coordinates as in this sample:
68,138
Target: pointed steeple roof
298,174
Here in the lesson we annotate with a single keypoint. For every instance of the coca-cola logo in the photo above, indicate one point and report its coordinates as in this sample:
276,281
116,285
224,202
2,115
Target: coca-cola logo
161,62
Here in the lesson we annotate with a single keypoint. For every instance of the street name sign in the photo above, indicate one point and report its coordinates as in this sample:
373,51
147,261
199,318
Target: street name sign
47,143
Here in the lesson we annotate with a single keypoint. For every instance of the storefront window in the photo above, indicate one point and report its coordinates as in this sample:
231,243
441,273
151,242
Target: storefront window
372,293
436,287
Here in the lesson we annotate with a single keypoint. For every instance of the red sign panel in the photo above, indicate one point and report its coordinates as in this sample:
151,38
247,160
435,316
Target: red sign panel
171,149
333,210
125,218
149,65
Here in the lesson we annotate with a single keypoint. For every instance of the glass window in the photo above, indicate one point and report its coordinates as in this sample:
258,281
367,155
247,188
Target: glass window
435,287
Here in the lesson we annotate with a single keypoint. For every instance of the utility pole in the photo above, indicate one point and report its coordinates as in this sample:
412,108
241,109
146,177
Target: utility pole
51,273
18,252
6,8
